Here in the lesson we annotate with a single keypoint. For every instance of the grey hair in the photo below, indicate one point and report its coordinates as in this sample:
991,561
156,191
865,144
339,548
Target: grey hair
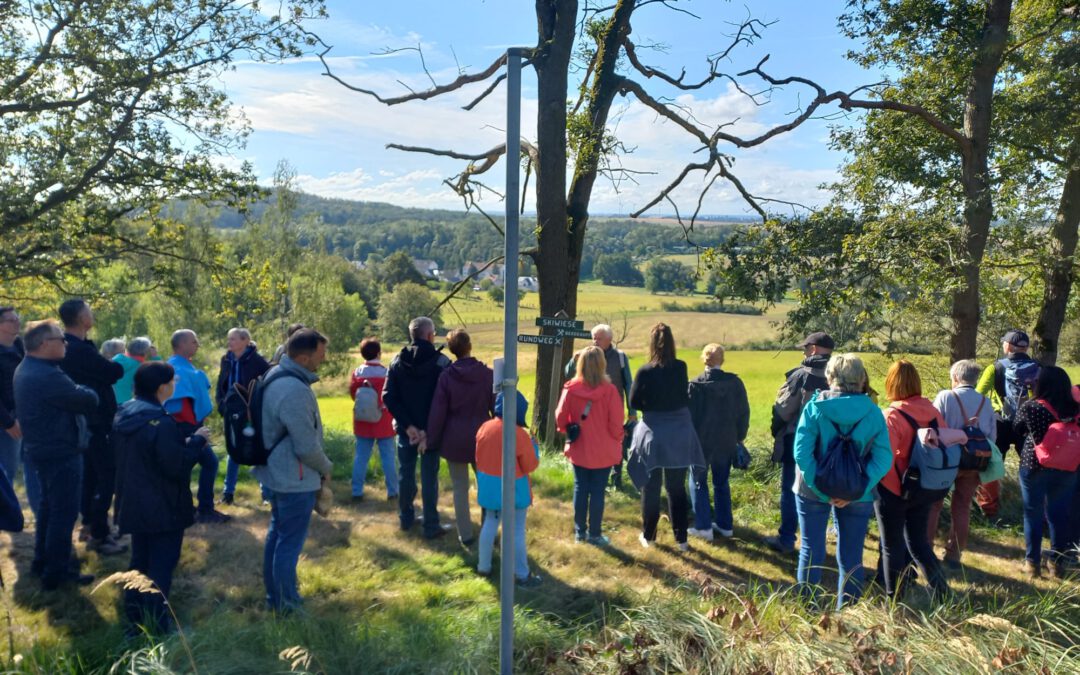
847,373
139,346
111,348
35,337
602,328
965,372
420,328
242,332
180,335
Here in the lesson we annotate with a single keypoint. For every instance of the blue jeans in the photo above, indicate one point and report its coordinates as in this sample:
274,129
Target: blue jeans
851,522
589,486
9,455
408,455
789,518
1046,492
61,488
290,515
232,475
33,484
155,555
208,466
387,456
699,496
487,543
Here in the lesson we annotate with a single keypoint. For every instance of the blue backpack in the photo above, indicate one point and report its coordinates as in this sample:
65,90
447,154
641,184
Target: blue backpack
1017,379
932,468
841,468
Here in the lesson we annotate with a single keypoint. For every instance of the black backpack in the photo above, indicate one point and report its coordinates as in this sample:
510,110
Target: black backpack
841,467
976,452
243,420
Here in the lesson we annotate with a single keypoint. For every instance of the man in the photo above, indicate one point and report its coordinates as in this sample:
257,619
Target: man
618,369
49,404
137,352
280,351
241,364
407,394
11,354
798,389
297,465
1008,382
86,366
190,405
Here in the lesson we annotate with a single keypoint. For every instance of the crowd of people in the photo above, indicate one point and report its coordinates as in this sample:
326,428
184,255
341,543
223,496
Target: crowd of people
120,430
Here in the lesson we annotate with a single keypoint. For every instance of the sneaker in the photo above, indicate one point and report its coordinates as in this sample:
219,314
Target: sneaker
212,517
483,573
391,498
107,545
580,538
684,546
704,534
726,534
780,547
601,540
645,543
1031,570
531,581
227,498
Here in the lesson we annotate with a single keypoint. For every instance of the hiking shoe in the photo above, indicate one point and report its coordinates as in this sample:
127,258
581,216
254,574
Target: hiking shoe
531,581
704,534
1032,570
684,546
227,498
600,540
645,543
780,547
212,517
107,545
726,534
435,534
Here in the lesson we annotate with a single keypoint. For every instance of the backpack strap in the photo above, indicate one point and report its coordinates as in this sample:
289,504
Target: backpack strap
1046,404
963,412
979,409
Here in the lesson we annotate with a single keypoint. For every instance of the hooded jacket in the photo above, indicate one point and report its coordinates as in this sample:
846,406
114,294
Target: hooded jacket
721,413
124,388
815,430
374,373
410,384
48,402
600,443
901,435
464,399
799,387
10,358
86,366
489,460
153,474
240,371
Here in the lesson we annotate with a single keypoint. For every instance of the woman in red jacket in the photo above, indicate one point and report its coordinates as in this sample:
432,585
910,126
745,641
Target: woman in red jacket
591,404
369,434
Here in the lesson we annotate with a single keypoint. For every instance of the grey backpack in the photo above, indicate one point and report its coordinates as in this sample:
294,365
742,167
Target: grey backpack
366,407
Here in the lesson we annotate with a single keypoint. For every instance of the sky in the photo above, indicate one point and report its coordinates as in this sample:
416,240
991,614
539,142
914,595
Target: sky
335,138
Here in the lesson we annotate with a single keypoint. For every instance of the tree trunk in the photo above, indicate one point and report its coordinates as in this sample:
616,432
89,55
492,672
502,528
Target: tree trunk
978,199
557,25
1060,273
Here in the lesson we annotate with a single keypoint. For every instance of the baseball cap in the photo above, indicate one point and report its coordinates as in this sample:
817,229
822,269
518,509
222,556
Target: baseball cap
1017,338
819,339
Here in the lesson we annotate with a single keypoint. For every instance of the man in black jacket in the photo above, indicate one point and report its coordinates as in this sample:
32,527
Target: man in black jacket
798,389
407,394
49,406
240,364
86,366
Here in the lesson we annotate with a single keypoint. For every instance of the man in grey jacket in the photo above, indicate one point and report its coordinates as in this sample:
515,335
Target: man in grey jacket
297,466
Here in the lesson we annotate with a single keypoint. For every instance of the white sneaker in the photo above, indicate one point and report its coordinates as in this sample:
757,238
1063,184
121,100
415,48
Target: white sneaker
645,543
704,534
684,546
722,532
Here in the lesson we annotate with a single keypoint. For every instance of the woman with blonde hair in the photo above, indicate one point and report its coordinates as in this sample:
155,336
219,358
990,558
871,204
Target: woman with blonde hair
590,413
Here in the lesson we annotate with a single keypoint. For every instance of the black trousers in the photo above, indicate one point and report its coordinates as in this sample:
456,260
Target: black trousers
99,484
674,480
156,556
902,523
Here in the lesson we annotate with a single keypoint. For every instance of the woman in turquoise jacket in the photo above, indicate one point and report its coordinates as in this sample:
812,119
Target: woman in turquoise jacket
844,405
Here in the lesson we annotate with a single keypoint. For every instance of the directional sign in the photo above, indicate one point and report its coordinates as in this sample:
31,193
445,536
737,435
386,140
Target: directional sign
573,333
552,322
540,339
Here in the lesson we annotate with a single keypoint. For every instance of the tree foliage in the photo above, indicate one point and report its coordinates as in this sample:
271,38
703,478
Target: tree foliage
669,276
617,269
400,306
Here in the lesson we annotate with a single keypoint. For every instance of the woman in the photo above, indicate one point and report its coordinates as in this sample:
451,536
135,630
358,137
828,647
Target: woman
845,408
721,414
153,492
665,444
370,434
240,364
591,402
902,519
464,400
1045,490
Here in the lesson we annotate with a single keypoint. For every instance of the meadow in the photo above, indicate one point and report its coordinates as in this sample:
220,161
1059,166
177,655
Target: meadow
382,600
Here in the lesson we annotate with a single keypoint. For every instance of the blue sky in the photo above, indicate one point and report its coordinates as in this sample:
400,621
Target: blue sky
335,138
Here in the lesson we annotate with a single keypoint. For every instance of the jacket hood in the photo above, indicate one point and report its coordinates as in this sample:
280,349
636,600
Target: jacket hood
135,413
817,361
419,357
469,371
711,377
248,351
288,364
580,389
843,408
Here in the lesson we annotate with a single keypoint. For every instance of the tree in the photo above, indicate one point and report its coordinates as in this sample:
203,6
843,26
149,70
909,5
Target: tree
669,276
495,293
397,269
617,269
400,306
579,135
109,108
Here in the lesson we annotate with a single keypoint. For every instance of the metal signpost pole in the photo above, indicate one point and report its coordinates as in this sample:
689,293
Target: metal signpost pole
509,383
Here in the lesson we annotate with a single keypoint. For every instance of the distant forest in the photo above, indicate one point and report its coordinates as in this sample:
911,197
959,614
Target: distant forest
360,231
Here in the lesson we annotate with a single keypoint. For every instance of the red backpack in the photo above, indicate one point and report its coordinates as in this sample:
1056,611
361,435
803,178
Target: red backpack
1060,447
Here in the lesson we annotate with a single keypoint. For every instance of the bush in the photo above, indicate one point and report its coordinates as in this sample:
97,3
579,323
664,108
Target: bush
712,307
496,294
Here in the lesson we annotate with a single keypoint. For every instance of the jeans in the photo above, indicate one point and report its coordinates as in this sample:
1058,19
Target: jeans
1046,492
459,476
61,485
699,496
232,475
408,455
208,467
964,490
903,525
9,455
487,543
290,515
33,484
674,480
851,522
388,458
155,555
789,518
99,484
589,494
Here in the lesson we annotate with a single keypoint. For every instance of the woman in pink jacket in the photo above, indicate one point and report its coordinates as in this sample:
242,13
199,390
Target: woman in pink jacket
590,413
